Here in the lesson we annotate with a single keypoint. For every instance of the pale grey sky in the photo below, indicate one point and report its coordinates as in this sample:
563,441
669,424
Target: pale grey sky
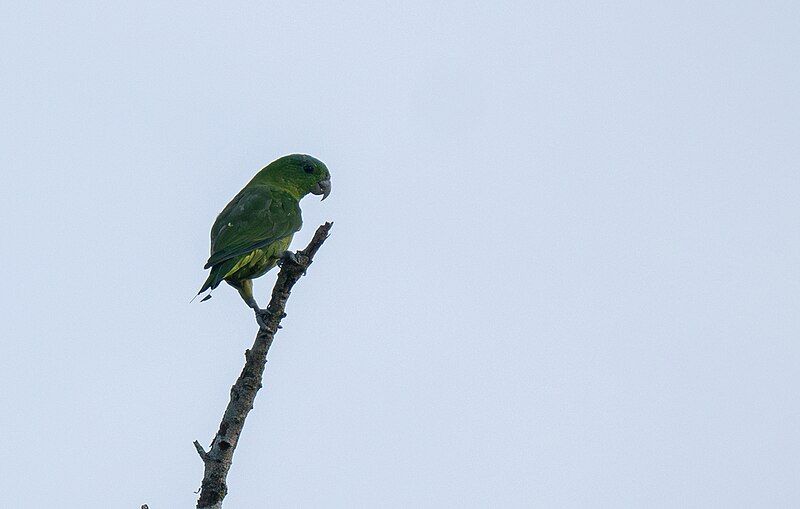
563,272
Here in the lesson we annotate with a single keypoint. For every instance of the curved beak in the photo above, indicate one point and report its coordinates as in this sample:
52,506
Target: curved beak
323,187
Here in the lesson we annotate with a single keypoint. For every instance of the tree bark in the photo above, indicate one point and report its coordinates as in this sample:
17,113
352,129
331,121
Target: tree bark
217,460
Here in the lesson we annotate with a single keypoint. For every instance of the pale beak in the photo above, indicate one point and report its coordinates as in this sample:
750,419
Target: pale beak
323,187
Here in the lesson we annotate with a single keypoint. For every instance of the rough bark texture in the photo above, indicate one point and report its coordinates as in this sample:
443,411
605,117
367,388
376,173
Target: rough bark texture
218,458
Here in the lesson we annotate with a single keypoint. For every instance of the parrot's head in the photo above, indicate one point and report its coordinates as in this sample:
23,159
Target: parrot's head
299,174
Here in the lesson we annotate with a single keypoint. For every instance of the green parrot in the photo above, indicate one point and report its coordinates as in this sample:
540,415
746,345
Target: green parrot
253,232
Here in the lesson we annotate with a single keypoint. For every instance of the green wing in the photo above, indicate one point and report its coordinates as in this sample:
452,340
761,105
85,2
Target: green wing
256,217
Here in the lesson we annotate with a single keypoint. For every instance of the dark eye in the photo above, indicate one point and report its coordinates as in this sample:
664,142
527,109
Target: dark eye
308,168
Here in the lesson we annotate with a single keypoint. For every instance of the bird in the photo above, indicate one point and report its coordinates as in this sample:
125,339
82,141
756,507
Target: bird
253,232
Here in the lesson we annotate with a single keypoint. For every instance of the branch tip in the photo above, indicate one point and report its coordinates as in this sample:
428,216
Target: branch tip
202,452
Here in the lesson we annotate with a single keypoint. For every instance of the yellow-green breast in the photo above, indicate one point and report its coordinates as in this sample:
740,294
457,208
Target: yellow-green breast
257,262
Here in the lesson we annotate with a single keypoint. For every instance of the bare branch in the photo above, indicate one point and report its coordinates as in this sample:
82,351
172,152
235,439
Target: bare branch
217,460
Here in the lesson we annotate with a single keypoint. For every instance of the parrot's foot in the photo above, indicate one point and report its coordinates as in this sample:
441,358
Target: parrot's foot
290,256
287,255
263,316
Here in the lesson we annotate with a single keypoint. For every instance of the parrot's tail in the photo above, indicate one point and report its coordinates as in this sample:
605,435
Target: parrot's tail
210,283
217,275
201,300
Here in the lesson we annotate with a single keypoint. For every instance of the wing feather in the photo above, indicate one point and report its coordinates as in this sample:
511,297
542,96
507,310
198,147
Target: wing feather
255,218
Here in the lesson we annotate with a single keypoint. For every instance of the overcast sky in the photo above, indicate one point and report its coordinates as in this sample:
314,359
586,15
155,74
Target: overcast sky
563,272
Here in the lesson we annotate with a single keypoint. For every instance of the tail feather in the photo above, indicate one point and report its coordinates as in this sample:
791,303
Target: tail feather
217,275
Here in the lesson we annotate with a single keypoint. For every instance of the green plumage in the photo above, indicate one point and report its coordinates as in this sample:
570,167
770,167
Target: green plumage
255,228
